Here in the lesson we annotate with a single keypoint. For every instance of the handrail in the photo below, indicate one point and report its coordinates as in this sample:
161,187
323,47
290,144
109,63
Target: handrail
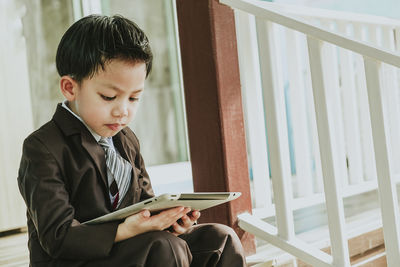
264,10
331,14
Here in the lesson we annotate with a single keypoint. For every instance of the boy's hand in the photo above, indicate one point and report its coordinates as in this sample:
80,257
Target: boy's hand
185,222
143,222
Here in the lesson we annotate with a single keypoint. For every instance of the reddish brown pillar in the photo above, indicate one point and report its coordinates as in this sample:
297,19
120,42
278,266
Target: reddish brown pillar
214,108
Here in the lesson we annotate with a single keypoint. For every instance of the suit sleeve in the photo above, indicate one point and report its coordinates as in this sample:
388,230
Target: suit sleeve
143,176
144,180
44,191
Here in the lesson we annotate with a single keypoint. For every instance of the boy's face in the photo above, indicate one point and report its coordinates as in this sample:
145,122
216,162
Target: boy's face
108,101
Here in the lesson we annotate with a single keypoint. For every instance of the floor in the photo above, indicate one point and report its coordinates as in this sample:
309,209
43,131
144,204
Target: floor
14,250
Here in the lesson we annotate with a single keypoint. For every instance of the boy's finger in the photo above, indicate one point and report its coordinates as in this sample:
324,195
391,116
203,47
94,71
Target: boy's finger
186,221
169,212
179,213
178,228
194,215
168,217
175,211
145,213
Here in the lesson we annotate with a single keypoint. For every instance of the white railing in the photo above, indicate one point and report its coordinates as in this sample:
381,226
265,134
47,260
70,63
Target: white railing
331,80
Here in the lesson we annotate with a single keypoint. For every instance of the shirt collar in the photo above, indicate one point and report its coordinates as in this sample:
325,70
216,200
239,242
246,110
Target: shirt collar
95,135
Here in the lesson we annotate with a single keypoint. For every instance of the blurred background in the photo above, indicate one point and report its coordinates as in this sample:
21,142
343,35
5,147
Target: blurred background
30,33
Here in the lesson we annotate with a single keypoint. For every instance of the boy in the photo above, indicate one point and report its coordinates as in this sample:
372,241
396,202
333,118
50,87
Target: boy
85,163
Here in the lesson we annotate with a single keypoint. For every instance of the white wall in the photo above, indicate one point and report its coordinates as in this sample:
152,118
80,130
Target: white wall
15,112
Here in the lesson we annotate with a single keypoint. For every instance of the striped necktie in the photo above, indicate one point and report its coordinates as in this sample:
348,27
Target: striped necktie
120,170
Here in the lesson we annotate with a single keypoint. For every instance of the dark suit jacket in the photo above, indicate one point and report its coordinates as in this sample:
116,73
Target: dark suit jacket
63,180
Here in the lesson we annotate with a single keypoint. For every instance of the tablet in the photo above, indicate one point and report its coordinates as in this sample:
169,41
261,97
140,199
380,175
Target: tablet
195,201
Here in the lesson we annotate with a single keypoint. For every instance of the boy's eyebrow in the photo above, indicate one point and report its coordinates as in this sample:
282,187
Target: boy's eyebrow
115,88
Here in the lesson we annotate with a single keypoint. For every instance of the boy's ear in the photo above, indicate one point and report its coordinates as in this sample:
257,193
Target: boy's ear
68,87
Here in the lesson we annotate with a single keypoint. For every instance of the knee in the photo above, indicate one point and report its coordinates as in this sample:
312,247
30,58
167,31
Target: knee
169,245
220,230
224,233
218,241
167,241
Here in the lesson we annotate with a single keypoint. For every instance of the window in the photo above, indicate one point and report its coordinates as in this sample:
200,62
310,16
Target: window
30,88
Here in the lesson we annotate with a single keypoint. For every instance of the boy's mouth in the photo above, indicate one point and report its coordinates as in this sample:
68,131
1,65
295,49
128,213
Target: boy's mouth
114,126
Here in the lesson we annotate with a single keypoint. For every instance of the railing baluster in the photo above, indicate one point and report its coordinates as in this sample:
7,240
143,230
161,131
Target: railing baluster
374,34
330,164
391,86
397,49
276,127
386,185
388,38
397,70
332,84
368,156
350,112
254,111
397,39
298,110
318,183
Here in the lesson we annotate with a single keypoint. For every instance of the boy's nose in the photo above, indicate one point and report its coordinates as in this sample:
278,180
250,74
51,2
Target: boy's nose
120,111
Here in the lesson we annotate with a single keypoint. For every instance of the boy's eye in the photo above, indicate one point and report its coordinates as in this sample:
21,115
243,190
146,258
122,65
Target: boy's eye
107,98
133,99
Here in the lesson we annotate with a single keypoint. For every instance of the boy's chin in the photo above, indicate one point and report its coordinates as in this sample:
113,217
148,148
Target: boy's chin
108,133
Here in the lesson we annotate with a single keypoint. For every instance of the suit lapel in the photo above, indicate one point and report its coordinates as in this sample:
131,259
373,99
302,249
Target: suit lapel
70,125
124,147
97,154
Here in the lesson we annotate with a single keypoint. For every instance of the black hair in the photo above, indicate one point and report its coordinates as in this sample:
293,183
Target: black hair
94,40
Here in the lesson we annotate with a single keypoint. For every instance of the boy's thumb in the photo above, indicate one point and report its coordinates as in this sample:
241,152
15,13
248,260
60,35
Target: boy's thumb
146,213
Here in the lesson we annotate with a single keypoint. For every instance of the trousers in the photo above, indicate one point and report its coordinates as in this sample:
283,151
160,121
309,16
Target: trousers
204,245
